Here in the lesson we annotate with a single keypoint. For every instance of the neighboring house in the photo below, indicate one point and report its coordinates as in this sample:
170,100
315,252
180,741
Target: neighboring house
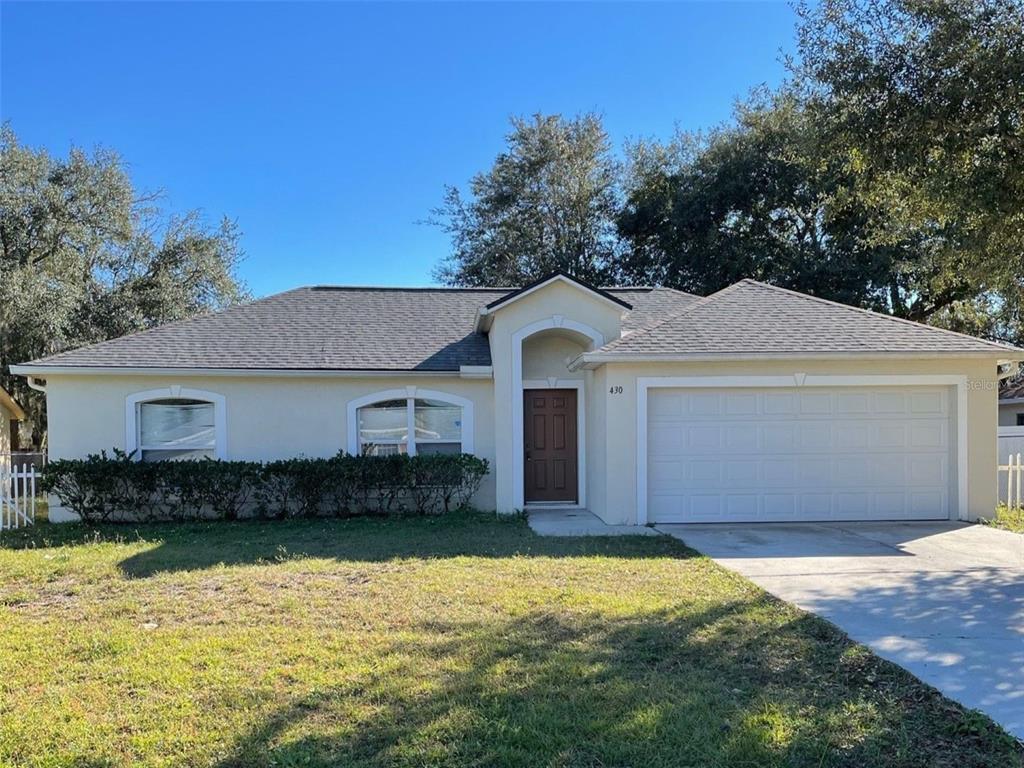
640,404
10,414
1011,404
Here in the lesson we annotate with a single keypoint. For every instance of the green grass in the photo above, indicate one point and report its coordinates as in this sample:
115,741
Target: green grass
456,641
1008,518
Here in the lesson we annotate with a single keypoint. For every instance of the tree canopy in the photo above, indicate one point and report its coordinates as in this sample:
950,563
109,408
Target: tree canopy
923,100
886,172
547,203
750,200
84,257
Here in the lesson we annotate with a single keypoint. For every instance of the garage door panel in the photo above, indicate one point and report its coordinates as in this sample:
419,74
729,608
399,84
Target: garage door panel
851,435
779,472
923,502
928,403
889,436
735,437
670,438
780,505
671,404
890,503
815,436
745,404
799,454
780,403
852,403
705,505
927,470
778,437
928,435
709,404
704,437
816,404
887,471
889,403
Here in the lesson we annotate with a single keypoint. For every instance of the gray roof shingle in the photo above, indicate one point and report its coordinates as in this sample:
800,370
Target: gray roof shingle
335,328
433,329
755,318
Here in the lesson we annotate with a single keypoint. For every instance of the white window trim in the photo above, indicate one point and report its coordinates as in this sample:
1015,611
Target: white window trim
518,457
581,430
175,392
410,395
643,384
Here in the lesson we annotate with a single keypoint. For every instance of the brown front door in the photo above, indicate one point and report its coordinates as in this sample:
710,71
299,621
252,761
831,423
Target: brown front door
549,419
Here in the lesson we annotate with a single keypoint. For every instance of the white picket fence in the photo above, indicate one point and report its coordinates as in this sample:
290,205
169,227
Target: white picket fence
1010,444
1010,491
18,487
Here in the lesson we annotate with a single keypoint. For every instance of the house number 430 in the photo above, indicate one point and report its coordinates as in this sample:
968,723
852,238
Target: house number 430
615,390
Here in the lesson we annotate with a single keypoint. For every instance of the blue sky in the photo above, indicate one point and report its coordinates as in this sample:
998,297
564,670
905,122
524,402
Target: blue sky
328,130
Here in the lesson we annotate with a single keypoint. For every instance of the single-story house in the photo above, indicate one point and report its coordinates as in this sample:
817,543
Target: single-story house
642,405
1011,403
10,414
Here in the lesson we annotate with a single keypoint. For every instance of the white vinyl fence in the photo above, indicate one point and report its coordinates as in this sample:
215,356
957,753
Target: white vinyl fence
1011,448
18,488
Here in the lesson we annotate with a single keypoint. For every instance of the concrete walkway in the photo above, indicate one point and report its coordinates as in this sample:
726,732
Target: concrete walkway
580,522
943,600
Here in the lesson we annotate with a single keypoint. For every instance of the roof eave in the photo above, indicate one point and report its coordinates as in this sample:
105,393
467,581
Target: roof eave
591,360
42,371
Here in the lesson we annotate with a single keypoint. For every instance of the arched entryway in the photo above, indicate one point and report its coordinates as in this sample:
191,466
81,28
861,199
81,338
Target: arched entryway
555,400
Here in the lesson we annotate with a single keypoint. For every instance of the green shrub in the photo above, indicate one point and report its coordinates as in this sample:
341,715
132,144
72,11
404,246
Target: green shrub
101,488
1009,518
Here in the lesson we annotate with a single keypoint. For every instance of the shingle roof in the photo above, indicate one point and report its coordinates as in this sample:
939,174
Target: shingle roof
433,329
651,305
332,328
754,318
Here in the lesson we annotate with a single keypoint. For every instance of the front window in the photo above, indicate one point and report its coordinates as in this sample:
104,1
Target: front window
438,427
176,430
384,428
410,425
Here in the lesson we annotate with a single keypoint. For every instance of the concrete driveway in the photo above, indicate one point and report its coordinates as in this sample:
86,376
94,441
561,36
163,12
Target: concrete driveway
943,600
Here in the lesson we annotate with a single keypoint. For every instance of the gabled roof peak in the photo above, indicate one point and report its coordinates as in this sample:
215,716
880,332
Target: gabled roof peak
552,277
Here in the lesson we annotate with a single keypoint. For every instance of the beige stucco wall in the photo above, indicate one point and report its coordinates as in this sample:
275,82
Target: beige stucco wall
549,304
547,354
1008,414
614,495
598,441
267,417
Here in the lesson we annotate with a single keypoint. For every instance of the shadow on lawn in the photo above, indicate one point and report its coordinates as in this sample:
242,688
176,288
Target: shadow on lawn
194,546
741,684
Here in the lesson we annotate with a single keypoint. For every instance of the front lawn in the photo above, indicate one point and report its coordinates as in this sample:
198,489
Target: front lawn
455,641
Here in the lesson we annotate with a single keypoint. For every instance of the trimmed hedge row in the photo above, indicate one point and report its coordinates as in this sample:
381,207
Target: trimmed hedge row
119,489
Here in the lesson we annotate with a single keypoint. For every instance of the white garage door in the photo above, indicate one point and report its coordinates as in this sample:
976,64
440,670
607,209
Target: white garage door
801,454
